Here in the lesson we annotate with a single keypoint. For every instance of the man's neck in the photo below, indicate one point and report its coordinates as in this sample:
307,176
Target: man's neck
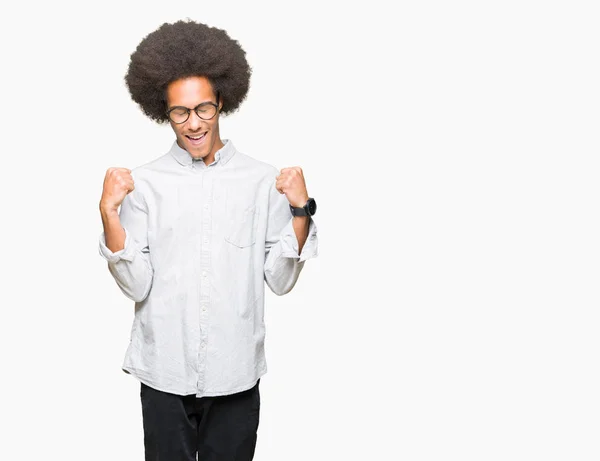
211,156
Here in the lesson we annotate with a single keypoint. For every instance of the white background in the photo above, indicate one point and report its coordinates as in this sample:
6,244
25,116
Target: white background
452,147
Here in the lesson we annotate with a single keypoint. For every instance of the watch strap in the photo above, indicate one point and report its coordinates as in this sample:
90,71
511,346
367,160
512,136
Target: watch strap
298,211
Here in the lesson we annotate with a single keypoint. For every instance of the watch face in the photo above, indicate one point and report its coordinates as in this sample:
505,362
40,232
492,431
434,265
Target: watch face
312,206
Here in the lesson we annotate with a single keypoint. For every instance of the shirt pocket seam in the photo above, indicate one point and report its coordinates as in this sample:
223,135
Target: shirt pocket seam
242,224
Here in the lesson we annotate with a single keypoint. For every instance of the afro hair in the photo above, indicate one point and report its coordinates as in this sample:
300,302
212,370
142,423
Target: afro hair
185,49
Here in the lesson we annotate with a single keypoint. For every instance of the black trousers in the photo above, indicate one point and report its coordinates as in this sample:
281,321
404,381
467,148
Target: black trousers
220,428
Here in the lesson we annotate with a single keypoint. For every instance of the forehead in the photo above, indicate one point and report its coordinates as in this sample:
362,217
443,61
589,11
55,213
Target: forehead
189,92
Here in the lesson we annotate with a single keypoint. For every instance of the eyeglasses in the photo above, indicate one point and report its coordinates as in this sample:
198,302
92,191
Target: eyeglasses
205,111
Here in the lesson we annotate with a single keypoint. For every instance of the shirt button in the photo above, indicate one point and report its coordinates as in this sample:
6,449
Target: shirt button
206,207
204,309
203,273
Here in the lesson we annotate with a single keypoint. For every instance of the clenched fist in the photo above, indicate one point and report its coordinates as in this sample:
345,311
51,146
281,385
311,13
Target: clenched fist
118,182
291,183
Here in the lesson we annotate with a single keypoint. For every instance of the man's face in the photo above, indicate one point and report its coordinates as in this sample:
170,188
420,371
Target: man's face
189,92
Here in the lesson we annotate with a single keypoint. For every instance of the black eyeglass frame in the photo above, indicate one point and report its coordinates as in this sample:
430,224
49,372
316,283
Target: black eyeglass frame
195,109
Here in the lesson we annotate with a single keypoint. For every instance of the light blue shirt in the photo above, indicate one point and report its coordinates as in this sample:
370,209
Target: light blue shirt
200,243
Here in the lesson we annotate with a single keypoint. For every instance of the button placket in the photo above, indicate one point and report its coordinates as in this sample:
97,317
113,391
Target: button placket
205,251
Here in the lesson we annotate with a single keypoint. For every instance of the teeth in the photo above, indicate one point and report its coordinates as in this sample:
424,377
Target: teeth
196,138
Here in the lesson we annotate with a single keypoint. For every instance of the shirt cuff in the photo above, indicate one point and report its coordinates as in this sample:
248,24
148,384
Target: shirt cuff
113,257
289,242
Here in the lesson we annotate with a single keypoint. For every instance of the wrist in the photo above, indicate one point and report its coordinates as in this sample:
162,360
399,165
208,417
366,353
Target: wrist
300,203
107,210
307,209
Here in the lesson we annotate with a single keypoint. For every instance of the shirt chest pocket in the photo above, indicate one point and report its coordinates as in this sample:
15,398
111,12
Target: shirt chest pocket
242,222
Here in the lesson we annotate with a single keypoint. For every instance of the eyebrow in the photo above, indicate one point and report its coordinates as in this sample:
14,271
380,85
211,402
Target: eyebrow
191,108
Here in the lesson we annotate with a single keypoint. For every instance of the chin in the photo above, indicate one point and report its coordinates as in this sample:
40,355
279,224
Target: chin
194,150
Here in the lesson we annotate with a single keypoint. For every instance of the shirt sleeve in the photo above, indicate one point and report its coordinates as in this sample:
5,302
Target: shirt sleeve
131,266
283,264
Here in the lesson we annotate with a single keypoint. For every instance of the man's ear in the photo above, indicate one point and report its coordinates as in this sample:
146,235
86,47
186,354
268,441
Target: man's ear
220,100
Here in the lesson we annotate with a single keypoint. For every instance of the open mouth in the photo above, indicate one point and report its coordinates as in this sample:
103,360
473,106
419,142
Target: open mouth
195,140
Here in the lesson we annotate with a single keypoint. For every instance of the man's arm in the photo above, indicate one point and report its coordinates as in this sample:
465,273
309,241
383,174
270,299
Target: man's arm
113,230
300,224
290,241
124,245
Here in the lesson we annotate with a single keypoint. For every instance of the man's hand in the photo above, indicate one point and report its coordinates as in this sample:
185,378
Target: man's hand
291,183
118,182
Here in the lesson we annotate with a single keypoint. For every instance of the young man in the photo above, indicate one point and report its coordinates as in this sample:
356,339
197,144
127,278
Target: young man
199,230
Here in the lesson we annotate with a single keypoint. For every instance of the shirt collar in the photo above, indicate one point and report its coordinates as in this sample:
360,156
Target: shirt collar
222,156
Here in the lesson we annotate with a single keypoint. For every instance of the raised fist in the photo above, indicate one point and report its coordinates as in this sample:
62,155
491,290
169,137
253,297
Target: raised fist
118,182
291,182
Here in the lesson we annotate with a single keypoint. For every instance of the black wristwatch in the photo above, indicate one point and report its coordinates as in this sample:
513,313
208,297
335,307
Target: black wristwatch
307,210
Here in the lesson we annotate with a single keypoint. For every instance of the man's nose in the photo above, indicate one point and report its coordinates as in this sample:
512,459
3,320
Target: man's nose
194,121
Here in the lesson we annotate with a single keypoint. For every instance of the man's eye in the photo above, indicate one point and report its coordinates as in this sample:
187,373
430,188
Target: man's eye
179,111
